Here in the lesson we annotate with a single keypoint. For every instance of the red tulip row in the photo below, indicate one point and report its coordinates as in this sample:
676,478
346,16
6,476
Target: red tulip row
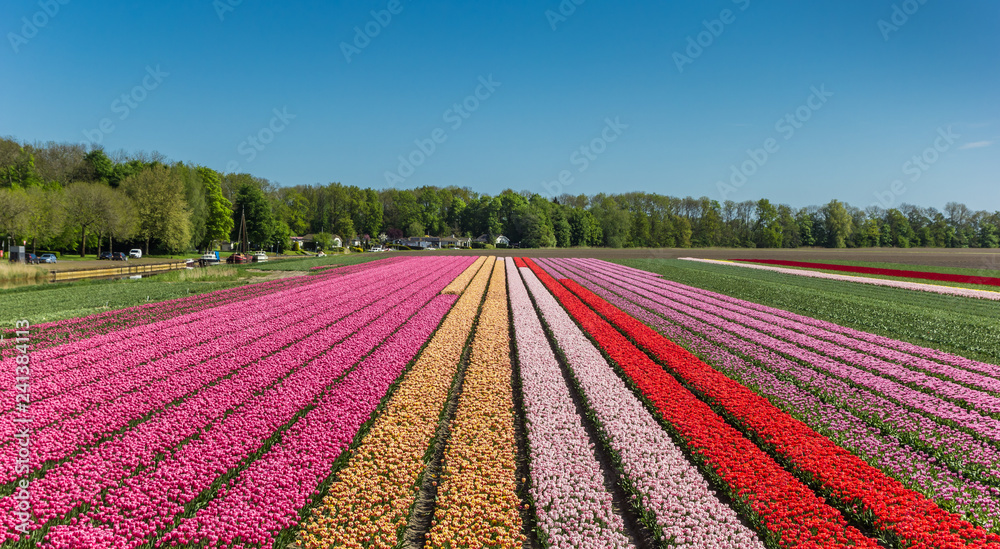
920,275
782,507
856,486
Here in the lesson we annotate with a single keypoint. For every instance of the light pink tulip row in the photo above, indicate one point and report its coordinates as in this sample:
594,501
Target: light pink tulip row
920,427
923,399
58,439
667,485
934,288
256,506
82,479
567,480
844,419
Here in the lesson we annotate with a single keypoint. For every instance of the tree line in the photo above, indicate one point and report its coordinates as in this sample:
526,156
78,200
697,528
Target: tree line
62,197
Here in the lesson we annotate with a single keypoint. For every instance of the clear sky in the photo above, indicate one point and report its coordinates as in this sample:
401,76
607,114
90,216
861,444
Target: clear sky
832,99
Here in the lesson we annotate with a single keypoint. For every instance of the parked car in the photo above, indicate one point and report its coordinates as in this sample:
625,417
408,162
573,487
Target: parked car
119,256
135,252
105,255
31,258
47,258
259,257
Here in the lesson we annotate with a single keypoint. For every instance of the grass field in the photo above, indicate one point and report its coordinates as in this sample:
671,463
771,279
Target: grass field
959,325
307,263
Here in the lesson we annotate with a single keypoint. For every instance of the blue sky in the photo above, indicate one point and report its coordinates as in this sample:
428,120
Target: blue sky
909,109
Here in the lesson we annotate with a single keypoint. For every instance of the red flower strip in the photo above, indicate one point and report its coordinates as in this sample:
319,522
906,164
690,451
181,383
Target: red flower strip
940,277
883,501
783,506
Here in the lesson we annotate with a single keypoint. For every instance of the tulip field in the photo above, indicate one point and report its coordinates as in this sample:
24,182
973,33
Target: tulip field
475,402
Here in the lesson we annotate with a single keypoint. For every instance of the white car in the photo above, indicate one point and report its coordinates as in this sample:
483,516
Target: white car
135,252
259,257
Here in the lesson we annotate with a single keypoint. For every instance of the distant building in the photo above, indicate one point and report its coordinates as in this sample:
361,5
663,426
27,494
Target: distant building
499,240
438,242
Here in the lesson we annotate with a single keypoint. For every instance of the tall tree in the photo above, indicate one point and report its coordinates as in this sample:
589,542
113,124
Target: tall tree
46,214
839,224
219,210
250,201
161,208
87,204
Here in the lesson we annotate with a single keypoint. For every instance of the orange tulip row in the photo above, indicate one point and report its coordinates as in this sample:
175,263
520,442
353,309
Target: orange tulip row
477,505
368,504
458,285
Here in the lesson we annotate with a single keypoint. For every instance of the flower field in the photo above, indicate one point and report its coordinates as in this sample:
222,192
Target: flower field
460,402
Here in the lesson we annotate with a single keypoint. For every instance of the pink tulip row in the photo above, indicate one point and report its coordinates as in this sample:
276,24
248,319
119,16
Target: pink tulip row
265,498
152,501
923,399
665,483
76,329
916,372
57,438
567,481
977,501
125,337
876,345
934,288
84,477
108,373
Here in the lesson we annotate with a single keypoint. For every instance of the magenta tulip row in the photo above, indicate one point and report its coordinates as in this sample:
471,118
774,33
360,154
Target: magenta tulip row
57,438
76,329
65,363
265,498
665,483
979,502
152,501
574,508
108,373
251,404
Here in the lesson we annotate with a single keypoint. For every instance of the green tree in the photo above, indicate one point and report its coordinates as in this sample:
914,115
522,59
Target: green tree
218,210
87,204
251,202
839,224
161,209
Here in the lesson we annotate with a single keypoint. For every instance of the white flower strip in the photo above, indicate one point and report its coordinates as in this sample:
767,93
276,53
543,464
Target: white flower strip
573,507
947,290
668,486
